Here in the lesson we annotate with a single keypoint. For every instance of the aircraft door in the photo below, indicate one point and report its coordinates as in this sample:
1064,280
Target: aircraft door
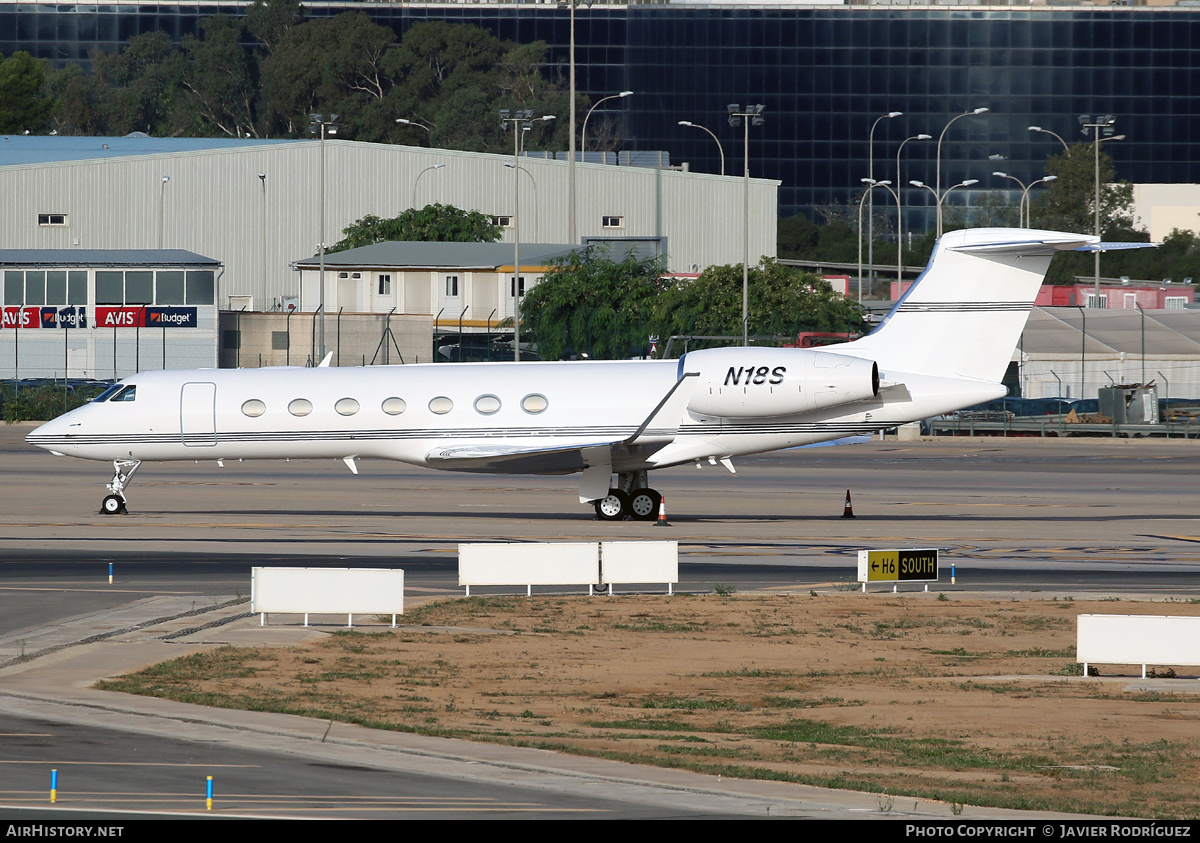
198,414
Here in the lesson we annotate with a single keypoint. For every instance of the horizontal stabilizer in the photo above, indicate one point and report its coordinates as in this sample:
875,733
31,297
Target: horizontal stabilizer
1115,247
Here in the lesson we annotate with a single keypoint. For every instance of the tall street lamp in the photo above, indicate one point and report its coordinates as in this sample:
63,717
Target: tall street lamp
1052,134
586,117
1023,207
162,209
403,121
262,177
318,124
899,209
942,197
518,121
417,180
871,185
1100,124
739,117
870,194
714,137
938,183
537,209
571,229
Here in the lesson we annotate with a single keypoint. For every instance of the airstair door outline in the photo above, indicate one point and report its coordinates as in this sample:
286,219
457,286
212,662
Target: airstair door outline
198,414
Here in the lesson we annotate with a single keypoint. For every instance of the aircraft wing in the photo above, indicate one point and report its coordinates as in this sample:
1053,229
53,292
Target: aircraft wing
655,431
515,459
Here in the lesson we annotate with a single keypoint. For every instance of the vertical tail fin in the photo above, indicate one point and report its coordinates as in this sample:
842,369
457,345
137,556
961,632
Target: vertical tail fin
965,313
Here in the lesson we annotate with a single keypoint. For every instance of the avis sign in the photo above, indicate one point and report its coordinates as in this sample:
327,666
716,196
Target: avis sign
909,565
146,317
43,317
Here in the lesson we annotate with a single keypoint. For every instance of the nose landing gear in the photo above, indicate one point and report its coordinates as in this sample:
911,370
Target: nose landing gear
123,471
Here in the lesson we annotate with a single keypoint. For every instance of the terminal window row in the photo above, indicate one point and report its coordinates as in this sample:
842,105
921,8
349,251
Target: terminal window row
69,287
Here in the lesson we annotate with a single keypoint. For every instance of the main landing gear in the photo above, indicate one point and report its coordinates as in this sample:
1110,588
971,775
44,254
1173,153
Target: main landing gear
631,497
123,471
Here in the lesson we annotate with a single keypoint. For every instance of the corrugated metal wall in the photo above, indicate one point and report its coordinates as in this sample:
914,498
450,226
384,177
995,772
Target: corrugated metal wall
215,204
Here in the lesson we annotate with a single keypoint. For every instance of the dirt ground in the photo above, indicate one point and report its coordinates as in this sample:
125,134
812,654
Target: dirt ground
967,701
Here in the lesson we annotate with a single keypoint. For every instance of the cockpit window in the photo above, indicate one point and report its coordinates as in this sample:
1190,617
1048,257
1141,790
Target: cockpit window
127,393
108,393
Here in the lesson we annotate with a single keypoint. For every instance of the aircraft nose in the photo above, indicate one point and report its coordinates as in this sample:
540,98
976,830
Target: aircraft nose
54,435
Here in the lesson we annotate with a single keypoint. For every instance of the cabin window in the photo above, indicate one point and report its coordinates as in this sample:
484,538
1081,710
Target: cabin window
346,407
534,403
300,407
487,404
394,406
254,408
441,405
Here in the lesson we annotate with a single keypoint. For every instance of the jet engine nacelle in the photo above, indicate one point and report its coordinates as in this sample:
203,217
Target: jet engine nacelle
754,382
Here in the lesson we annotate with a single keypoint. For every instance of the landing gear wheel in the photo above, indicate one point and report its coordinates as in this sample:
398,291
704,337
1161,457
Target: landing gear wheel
112,505
643,504
613,507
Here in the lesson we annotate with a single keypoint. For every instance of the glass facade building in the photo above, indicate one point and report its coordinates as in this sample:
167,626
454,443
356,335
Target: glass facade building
824,74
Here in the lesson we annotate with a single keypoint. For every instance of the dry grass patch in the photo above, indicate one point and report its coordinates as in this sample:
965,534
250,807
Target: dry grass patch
903,695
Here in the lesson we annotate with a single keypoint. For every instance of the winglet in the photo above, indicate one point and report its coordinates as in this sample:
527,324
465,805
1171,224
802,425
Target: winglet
324,364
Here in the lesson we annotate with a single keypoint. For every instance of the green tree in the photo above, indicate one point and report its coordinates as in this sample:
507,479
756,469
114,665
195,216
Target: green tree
783,301
433,223
24,105
270,20
221,81
1068,202
594,305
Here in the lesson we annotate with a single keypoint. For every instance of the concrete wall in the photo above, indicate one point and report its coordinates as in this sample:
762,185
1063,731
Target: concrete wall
355,339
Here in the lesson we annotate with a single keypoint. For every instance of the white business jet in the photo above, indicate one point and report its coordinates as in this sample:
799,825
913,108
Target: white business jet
945,345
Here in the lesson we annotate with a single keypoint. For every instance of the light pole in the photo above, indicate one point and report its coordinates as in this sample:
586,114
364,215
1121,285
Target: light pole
537,210
1048,132
571,229
318,123
871,185
586,117
871,195
262,177
162,209
938,183
1022,209
1100,123
737,117
517,120
899,209
941,198
714,137
403,121
417,180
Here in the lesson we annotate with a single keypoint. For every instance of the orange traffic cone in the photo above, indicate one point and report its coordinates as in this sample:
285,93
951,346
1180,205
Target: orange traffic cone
848,512
662,513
